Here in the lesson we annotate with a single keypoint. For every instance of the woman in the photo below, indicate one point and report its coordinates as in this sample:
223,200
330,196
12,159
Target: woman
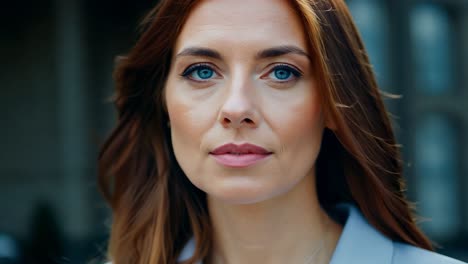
254,132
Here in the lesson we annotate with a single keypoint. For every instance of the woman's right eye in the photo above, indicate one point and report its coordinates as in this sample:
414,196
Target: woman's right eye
199,73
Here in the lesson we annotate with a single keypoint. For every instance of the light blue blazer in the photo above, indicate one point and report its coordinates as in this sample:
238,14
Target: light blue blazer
360,243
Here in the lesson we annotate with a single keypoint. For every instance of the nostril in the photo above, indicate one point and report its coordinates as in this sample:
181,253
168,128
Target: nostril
226,121
248,121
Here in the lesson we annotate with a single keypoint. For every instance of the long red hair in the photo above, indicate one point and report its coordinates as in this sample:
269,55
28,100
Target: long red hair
155,207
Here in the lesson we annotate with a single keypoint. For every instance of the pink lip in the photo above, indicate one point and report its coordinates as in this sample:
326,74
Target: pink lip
238,156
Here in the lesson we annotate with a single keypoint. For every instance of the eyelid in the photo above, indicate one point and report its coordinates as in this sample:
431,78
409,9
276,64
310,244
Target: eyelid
289,66
274,66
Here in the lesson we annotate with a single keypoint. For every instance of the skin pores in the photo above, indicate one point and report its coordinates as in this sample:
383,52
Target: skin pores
221,89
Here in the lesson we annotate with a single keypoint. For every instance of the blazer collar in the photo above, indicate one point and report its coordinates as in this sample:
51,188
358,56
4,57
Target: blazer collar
359,242
188,251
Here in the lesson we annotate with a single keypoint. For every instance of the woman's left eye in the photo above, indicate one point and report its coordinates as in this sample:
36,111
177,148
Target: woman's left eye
284,73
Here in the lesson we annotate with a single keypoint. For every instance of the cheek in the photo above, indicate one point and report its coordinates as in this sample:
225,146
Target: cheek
302,119
190,119
190,112
185,120
298,119
299,127
185,133
306,121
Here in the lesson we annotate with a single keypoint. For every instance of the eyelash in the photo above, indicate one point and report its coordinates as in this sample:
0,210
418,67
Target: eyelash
192,68
282,66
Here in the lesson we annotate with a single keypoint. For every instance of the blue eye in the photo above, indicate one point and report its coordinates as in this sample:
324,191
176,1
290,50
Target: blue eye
199,72
284,73
204,73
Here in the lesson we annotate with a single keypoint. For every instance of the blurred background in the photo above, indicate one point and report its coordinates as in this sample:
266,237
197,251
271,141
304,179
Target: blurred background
56,78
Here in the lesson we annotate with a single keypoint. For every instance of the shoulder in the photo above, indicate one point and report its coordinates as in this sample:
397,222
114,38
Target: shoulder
404,253
361,243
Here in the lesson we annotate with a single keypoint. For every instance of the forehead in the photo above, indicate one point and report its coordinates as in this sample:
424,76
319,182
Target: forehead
243,24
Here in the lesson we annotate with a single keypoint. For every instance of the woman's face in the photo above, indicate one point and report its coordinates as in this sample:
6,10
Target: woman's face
241,75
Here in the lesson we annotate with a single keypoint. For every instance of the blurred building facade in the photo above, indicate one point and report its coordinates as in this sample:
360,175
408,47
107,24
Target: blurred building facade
56,79
419,50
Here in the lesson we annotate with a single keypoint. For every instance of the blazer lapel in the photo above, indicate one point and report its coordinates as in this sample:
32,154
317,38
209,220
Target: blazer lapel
360,242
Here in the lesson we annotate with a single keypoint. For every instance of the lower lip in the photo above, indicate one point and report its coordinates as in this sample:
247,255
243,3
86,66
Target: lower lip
239,161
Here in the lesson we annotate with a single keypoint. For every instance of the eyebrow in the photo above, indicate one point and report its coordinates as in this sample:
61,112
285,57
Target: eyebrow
201,52
264,54
280,51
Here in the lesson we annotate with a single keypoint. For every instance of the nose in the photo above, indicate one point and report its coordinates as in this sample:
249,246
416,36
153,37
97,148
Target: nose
238,109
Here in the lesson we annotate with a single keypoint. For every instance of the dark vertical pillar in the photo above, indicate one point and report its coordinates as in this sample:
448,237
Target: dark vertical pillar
401,62
72,108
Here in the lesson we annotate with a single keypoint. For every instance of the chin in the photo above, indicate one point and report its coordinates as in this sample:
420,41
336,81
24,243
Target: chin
241,193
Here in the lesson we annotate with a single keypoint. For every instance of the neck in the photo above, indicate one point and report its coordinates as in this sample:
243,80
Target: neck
285,229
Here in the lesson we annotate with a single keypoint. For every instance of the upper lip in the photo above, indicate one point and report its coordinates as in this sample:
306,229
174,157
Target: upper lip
245,148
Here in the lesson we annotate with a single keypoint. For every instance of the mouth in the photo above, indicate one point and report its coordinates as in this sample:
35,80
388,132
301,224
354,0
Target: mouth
239,156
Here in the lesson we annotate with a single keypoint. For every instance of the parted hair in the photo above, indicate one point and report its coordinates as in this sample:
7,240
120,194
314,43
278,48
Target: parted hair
156,209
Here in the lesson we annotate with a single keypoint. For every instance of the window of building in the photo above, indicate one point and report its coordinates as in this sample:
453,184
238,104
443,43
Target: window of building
436,173
371,18
432,46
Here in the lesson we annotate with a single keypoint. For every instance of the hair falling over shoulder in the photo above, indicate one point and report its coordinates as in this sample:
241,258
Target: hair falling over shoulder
155,207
